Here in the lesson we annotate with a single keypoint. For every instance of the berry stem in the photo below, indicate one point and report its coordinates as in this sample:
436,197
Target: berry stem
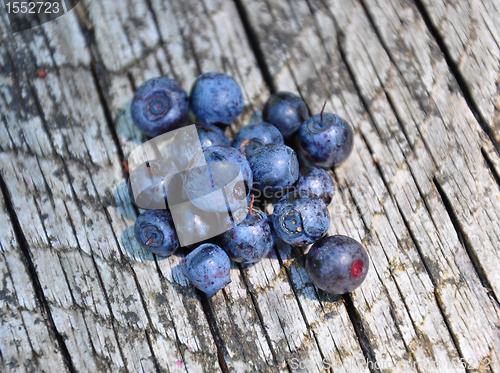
322,110
125,167
251,204
245,142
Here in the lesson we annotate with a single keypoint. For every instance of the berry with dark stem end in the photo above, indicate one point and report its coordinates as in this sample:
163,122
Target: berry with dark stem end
149,182
154,230
226,170
159,105
337,264
251,239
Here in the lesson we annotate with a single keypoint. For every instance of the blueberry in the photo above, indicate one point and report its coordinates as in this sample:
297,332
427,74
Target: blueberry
159,105
300,220
185,144
286,111
247,148
274,167
149,184
216,98
316,182
225,179
211,135
250,240
154,230
207,267
337,264
246,139
327,141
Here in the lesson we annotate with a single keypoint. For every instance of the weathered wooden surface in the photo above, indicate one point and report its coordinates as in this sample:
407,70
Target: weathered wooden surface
421,189
470,33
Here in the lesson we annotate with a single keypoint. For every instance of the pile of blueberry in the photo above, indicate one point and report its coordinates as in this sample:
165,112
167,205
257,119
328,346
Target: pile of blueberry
336,264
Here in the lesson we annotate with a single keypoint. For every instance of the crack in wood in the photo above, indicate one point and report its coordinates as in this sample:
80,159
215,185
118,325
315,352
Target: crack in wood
253,39
464,240
110,309
107,112
363,339
214,329
378,167
491,166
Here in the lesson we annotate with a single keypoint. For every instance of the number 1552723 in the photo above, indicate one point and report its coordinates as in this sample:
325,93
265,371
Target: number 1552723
32,7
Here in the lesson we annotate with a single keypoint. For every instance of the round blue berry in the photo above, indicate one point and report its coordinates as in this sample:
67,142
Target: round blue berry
211,135
316,182
300,220
207,267
159,105
246,139
286,111
250,240
154,230
337,264
216,98
326,141
222,183
274,166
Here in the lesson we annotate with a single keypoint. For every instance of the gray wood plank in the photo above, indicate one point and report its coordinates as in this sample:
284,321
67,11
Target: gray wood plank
28,340
470,33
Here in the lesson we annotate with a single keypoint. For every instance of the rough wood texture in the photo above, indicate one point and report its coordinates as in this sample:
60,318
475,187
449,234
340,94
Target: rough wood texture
28,342
116,308
470,34
416,134
421,190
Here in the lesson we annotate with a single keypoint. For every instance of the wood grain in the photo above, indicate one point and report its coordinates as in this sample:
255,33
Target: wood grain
400,93
108,297
421,190
28,342
470,35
